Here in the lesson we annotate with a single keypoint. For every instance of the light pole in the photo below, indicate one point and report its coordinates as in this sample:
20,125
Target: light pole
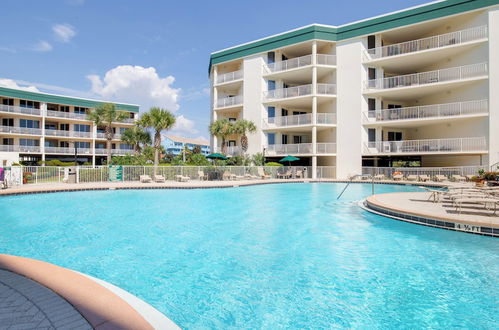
76,153
264,155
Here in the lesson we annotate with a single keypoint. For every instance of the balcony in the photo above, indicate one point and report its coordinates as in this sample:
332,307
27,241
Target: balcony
300,120
231,101
68,150
20,110
102,136
430,77
300,149
435,42
230,76
425,112
303,61
103,151
61,133
18,148
325,148
20,130
430,146
298,91
66,115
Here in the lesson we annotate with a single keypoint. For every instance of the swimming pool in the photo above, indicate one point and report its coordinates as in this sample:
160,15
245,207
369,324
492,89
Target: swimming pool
270,256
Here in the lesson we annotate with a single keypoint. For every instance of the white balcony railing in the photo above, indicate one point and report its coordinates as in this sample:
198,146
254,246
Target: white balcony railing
326,148
429,111
473,144
69,115
229,76
430,77
20,130
292,63
68,150
444,40
61,133
326,89
20,110
102,136
289,149
325,59
229,101
303,90
103,151
300,120
18,148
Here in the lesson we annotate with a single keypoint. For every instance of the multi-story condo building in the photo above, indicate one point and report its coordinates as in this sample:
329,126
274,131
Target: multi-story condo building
40,127
419,85
175,145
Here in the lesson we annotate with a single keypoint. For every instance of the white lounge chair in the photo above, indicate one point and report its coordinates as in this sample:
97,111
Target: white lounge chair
379,177
227,176
440,178
459,178
435,194
262,174
202,176
159,179
181,178
412,177
487,202
249,176
397,177
145,178
285,175
299,174
424,177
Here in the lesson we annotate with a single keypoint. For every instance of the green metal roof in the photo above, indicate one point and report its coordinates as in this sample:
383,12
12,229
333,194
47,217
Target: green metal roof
369,26
59,99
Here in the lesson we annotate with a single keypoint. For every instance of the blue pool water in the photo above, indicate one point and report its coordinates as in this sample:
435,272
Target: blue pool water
272,256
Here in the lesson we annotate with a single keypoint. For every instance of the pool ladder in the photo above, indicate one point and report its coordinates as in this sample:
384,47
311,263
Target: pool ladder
351,179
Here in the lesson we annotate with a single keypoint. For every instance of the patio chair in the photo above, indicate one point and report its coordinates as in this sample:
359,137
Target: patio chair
262,174
159,179
397,177
412,177
457,177
424,177
487,202
299,174
379,177
145,178
202,176
181,178
284,175
469,177
249,176
440,178
435,194
227,176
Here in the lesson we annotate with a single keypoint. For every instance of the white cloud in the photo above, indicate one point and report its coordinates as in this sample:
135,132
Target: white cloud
63,32
9,83
136,84
42,46
8,49
184,126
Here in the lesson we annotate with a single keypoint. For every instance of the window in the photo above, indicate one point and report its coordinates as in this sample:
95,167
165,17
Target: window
296,113
64,144
28,123
100,146
284,139
231,143
284,112
64,127
232,120
371,42
8,122
371,103
81,128
50,126
52,107
394,106
270,57
271,85
271,138
297,139
29,104
82,145
371,134
125,146
122,130
81,110
8,102
64,108
394,136
8,142
29,142
371,73
50,143
284,57
270,112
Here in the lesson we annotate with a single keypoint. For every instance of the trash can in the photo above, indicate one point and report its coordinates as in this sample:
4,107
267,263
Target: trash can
71,174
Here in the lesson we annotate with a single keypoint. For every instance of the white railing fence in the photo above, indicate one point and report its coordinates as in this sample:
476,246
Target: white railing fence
283,93
430,77
387,172
431,145
289,149
89,174
20,130
429,111
291,63
21,110
326,89
439,41
326,59
298,120
229,101
229,76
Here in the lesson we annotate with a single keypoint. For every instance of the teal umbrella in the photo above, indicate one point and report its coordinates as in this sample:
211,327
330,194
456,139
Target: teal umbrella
216,156
289,159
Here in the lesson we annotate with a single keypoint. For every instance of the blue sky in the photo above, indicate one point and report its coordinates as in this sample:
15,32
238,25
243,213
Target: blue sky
148,52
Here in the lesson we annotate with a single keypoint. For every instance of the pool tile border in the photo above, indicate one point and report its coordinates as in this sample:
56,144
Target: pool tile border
372,207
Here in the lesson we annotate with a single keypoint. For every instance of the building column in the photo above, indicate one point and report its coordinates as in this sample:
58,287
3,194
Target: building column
43,111
314,110
493,138
94,136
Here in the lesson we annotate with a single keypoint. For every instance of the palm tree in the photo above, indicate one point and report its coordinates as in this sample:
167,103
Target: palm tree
104,115
158,119
222,128
242,127
137,137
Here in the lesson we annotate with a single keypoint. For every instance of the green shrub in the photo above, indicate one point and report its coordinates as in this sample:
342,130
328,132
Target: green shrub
273,164
56,162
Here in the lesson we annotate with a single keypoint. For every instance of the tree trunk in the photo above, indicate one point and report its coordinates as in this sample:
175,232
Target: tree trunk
109,138
223,145
157,145
244,143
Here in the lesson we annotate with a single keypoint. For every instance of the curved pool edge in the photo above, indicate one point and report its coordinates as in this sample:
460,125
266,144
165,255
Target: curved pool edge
372,205
102,304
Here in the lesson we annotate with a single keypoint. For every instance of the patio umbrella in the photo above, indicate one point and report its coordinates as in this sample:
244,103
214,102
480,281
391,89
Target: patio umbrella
289,159
216,156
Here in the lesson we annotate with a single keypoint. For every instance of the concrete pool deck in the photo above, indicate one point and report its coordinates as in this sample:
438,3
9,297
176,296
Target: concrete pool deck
38,295
417,207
